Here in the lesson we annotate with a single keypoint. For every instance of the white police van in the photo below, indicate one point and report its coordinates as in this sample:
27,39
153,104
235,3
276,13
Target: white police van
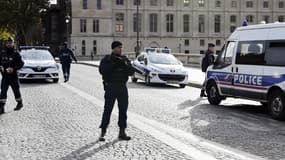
251,66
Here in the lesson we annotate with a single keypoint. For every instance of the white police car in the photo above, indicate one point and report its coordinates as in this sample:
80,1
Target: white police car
251,66
158,66
38,64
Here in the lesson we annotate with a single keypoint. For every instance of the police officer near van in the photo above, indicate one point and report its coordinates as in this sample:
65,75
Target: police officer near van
207,60
65,55
10,62
115,70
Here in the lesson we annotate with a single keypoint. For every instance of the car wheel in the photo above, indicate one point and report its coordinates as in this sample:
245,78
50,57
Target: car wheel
182,85
213,94
55,80
276,105
147,80
134,79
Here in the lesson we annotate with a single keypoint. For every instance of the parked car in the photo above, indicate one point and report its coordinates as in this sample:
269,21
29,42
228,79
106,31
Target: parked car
251,66
38,64
153,67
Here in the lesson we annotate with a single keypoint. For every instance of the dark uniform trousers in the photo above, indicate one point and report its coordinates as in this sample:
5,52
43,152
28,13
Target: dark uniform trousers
66,70
113,92
13,81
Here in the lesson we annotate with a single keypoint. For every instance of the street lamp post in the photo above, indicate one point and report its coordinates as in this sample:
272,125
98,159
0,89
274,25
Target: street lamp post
138,38
67,20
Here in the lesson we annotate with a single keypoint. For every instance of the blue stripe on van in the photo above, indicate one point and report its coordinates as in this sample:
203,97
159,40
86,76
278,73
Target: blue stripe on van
246,80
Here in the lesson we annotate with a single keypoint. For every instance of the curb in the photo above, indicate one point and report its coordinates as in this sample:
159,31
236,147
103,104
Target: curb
191,84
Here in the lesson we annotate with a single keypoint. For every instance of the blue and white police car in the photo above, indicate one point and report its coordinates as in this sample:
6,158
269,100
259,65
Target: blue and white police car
38,64
251,66
157,65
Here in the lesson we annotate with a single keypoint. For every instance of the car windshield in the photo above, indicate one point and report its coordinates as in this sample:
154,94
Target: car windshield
158,58
36,55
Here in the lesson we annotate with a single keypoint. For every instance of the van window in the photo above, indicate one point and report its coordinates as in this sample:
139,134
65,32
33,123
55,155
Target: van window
141,58
251,53
275,53
225,58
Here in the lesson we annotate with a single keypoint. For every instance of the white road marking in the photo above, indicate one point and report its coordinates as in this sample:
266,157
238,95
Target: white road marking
162,132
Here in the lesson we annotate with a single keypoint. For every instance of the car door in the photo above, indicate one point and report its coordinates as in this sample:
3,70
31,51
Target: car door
248,69
140,66
222,70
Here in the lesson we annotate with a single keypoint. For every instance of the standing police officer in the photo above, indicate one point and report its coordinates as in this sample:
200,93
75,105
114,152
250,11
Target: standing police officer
65,55
10,62
115,70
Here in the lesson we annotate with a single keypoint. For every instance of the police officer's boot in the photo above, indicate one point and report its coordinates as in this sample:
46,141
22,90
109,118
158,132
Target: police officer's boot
123,135
103,132
202,94
19,106
2,110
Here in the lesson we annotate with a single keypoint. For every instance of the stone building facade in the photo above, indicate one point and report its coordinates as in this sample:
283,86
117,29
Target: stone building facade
185,26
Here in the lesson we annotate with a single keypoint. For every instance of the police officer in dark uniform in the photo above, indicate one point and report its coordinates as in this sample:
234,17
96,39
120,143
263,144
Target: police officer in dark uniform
65,55
10,62
115,69
207,60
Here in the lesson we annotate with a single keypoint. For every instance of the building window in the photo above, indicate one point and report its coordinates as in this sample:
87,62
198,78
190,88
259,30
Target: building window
119,22
281,4
233,19
234,4
186,42
249,4
83,49
201,3
83,25
186,23
96,25
153,22
232,29
218,42
266,19
186,51
249,18
186,3
99,4
265,4
202,42
120,2
218,4
170,2
217,23
84,4
280,18
201,23
137,2
94,47
153,2
169,23
137,22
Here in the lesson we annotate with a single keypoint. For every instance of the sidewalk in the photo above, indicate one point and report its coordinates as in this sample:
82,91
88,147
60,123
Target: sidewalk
195,75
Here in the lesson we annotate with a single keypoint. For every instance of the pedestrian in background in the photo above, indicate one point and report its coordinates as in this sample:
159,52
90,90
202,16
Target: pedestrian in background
115,70
65,55
207,60
10,62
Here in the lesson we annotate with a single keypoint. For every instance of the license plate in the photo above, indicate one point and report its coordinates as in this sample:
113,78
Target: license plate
39,76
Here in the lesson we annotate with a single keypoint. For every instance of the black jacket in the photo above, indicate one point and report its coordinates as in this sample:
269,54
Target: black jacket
207,60
115,69
65,55
10,58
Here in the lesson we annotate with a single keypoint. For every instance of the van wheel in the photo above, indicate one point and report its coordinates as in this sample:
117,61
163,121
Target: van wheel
134,79
213,94
182,85
147,80
276,105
